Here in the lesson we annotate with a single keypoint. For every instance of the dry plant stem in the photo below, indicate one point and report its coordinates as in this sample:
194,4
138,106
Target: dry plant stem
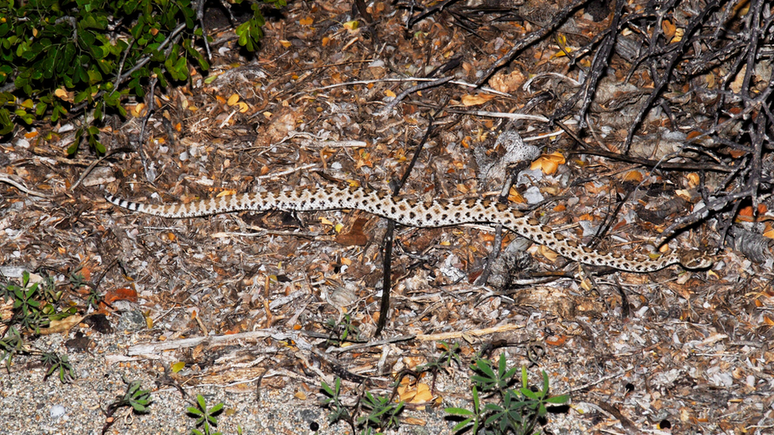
141,139
503,115
600,62
427,12
662,81
7,179
472,333
200,19
532,38
88,171
416,88
652,163
752,185
387,242
370,344
412,79
218,340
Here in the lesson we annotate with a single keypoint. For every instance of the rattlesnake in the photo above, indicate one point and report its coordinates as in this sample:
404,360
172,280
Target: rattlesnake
409,212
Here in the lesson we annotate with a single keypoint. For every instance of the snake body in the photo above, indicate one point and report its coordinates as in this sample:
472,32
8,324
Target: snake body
423,214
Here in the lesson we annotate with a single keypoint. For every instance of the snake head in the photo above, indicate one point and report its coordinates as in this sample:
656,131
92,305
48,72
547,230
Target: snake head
694,260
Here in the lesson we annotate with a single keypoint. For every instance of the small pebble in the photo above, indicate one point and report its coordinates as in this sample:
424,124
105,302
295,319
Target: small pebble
57,411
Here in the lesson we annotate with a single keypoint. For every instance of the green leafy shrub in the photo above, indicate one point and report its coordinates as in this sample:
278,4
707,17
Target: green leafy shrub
343,331
134,396
58,363
205,417
60,58
513,411
33,305
375,413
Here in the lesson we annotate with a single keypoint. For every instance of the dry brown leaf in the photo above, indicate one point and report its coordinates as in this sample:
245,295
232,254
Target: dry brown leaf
507,82
61,326
548,253
414,421
355,236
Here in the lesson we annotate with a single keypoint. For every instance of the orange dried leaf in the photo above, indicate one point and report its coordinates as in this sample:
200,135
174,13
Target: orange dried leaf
306,21
137,110
475,100
635,176
693,179
423,394
679,33
515,196
694,134
548,163
120,294
556,340
668,28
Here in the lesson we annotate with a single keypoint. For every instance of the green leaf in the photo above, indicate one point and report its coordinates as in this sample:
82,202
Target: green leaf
524,377
99,147
558,400
526,392
545,382
458,427
459,411
216,409
40,109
